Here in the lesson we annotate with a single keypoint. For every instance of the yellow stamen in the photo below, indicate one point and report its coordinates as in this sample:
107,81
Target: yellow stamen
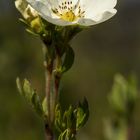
68,16
66,11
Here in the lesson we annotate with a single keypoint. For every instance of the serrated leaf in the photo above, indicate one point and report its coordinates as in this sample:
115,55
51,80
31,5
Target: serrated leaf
37,104
68,60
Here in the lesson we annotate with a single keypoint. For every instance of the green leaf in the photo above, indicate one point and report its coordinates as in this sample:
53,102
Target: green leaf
123,95
44,107
72,31
19,87
30,95
59,124
132,89
63,135
68,134
37,104
82,113
70,118
118,96
28,91
68,60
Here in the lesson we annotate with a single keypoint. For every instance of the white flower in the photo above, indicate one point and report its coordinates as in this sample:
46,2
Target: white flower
25,9
69,12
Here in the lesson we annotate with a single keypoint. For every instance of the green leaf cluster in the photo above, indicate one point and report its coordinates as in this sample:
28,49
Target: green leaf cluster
122,99
68,123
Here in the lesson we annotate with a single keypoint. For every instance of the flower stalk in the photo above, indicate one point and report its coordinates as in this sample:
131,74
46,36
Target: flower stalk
48,90
53,77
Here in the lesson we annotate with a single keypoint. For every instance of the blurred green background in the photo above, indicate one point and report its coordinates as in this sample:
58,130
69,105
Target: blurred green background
101,52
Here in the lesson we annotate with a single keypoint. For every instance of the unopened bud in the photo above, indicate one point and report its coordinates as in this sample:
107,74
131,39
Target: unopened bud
26,10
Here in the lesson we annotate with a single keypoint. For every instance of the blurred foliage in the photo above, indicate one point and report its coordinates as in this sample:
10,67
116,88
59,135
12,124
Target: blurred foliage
101,52
122,99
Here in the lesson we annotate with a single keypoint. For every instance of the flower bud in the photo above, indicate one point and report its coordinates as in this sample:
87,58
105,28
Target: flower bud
37,25
26,10
30,15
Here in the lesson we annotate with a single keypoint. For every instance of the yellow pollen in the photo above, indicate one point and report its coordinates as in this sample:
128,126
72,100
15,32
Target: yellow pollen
68,16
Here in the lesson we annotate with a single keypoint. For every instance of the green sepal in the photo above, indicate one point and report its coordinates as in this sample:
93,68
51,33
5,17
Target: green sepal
72,31
25,23
29,30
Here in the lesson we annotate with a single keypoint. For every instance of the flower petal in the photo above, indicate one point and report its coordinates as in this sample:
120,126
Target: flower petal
57,21
25,9
41,6
93,7
45,11
98,19
21,5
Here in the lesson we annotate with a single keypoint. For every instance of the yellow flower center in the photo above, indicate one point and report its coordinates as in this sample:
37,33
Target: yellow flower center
69,12
68,16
